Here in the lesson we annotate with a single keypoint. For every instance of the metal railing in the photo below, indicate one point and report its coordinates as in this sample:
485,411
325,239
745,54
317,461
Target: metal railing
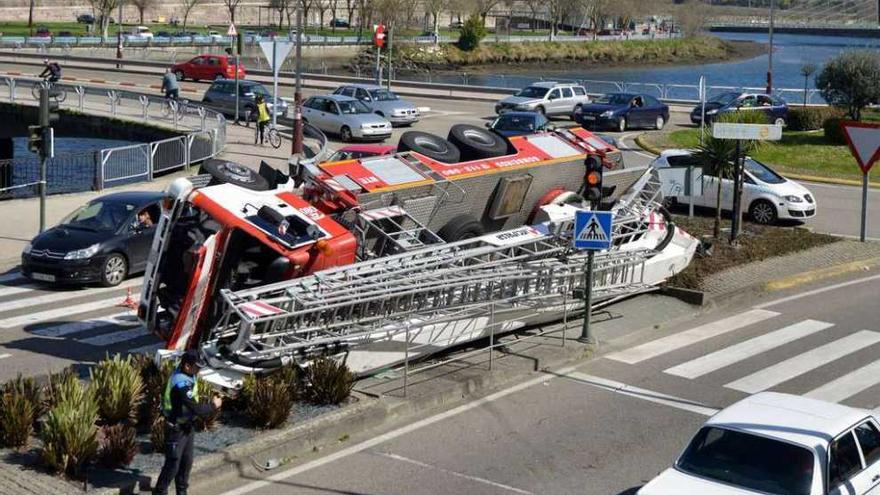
202,135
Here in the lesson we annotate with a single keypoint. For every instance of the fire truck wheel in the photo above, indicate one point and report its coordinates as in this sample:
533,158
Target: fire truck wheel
432,146
461,227
224,171
476,142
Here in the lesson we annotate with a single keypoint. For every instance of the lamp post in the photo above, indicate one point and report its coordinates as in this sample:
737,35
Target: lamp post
770,57
297,94
119,36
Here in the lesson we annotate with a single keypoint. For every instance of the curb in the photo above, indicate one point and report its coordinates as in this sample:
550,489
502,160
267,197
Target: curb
820,274
640,141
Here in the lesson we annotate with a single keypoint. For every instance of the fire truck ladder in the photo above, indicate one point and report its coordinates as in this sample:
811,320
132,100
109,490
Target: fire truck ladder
396,231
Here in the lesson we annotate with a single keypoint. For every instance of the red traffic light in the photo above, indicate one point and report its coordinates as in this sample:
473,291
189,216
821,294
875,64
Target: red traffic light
379,35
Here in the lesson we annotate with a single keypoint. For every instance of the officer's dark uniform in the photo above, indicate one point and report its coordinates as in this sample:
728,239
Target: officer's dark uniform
180,409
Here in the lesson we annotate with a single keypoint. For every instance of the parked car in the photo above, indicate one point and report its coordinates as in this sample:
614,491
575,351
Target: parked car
339,23
163,34
345,116
142,32
383,102
207,67
773,107
85,19
221,97
547,98
456,25
214,35
43,32
519,123
622,111
102,241
65,34
767,196
781,444
356,151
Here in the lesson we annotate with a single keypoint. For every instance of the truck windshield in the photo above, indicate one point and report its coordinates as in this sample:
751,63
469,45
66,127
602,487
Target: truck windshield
749,461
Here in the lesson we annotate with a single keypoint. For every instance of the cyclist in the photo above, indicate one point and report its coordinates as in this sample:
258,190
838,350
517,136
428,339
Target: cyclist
170,86
52,70
262,118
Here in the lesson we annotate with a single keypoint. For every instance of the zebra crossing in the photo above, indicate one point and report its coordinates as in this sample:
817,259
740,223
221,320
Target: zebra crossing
91,319
830,346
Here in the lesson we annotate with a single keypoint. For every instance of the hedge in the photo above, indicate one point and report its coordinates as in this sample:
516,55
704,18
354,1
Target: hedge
810,118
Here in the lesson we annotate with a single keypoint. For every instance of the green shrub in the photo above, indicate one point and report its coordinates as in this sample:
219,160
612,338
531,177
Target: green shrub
810,118
206,393
16,419
119,389
330,381
472,32
833,131
269,399
157,434
70,437
154,380
64,387
31,392
744,117
118,445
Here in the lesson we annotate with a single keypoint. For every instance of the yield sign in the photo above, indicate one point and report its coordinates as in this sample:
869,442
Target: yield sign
864,142
231,31
276,52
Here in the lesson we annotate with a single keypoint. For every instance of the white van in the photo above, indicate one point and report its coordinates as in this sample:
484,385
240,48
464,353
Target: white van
767,196
142,32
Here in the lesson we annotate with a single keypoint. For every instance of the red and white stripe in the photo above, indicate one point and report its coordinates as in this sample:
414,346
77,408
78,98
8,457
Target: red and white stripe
258,309
391,211
334,185
656,221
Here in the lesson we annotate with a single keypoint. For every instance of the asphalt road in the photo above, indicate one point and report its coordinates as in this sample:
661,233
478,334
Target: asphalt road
609,426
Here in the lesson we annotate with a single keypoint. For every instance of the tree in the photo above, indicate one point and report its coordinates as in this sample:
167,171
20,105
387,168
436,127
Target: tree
851,81
350,6
31,18
807,70
334,6
231,6
536,7
104,9
692,17
483,7
188,5
322,6
472,32
435,8
142,6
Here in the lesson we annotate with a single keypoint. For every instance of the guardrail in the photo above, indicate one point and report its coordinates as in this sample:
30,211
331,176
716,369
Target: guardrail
203,135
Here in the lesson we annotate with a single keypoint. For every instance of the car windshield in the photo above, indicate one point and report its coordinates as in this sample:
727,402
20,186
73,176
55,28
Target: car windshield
258,89
532,92
352,107
613,99
515,123
725,98
383,95
749,461
762,172
99,216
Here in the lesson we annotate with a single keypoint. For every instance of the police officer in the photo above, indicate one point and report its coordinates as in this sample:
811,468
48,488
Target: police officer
180,409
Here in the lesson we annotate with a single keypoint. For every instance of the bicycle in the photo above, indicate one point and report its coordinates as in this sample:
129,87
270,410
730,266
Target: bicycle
179,106
271,134
56,92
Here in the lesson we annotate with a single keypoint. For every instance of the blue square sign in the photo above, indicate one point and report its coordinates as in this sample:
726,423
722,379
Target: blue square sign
592,230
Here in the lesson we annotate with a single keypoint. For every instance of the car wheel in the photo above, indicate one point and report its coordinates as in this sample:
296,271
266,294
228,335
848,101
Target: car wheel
577,110
541,110
461,227
345,134
659,123
780,122
224,171
114,270
434,147
475,142
217,77
621,124
763,212
179,75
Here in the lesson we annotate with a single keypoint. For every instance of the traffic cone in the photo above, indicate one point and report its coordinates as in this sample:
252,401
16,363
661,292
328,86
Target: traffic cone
129,301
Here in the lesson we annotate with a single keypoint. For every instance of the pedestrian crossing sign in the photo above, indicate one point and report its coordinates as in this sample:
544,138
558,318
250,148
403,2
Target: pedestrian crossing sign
592,230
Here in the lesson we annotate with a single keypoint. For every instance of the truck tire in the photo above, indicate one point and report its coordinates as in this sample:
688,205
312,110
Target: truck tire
476,143
432,146
224,172
461,227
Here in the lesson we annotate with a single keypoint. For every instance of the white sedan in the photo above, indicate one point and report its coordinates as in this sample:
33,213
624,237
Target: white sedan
767,196
773,443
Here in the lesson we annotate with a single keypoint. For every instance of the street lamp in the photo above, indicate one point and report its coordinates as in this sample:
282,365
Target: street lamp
297,94
770,58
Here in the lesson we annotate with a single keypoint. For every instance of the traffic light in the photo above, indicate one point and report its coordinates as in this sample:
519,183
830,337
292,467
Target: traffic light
593,179
48,109
35,138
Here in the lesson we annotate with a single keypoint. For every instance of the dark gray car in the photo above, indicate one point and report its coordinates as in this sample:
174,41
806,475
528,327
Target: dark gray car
382,102
221,97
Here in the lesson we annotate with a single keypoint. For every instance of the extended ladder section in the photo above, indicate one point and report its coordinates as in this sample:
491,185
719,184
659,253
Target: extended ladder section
529,268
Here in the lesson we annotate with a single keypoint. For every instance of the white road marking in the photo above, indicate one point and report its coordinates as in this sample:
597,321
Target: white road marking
113,338
808,361
124,319
6,355
678,340
744,350
62,296
60,312
391,435
424,109
17,289
643,394
633,147
454,473
849,384
817,291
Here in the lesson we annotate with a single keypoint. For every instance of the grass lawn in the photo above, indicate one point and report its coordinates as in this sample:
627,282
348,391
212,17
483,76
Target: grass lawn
799,152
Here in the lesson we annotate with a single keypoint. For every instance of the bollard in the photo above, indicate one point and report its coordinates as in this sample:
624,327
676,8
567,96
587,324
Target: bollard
203,115
111,96
247,118
81,96
174,106
11,83
145,104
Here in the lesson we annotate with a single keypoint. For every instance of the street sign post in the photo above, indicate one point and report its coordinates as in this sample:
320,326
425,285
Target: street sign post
742,132
379,41
864,143
275,52
592,231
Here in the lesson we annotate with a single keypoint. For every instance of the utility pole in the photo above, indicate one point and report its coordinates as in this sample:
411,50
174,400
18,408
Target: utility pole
119,36
770,55
388,54
297,95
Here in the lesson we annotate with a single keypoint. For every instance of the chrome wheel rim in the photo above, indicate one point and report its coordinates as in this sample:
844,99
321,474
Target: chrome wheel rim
114,270
622,125
763,213
660,122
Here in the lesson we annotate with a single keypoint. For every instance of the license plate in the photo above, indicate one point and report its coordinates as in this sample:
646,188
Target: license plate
43,277
588,117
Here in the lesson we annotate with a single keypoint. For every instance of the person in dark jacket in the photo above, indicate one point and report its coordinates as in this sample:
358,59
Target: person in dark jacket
180,408
52,70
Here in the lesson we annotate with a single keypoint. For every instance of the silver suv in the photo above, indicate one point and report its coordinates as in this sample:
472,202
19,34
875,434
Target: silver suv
548,98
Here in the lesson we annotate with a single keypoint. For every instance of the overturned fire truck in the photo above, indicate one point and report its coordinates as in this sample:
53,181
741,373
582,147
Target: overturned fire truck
405,254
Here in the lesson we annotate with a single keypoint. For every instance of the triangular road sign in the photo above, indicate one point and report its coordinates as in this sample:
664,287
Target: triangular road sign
231,31
282,50
864,142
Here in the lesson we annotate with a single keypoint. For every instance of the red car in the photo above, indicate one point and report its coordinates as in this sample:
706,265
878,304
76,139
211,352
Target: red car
207,67
356,151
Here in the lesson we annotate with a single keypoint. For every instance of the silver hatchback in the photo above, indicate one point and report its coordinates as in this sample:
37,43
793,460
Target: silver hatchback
346,117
